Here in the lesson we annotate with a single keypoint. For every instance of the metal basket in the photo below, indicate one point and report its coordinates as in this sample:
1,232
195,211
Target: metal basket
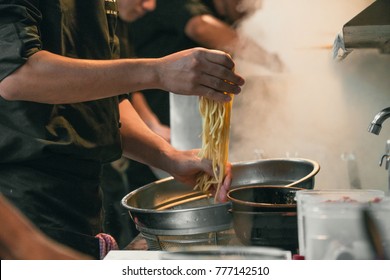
170,215
172,242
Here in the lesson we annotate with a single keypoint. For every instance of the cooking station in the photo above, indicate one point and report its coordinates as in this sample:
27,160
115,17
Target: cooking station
261,210
273,212
176,222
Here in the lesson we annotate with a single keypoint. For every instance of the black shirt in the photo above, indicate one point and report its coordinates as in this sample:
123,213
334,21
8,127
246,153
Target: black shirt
161,32
156,34
51,155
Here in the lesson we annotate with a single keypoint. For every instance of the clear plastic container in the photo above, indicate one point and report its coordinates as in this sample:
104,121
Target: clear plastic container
327,217
381,214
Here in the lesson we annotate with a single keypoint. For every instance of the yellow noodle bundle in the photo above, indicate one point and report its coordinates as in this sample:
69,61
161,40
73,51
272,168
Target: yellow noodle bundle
215,140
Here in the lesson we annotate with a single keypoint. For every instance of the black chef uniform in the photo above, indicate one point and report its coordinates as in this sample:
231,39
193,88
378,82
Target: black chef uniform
51,155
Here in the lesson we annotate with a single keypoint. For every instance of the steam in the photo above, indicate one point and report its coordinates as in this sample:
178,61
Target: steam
318,108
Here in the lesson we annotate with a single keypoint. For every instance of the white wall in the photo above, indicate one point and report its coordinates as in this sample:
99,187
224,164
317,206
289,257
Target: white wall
319,109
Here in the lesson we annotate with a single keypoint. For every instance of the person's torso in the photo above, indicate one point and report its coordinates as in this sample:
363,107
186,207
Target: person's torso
89,130
51,155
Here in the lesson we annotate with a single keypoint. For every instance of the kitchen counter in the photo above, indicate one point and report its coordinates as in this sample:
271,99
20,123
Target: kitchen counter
138,250
133,255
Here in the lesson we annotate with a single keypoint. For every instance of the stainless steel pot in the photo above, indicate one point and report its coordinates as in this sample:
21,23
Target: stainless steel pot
290,172
265,216
263,198
167,207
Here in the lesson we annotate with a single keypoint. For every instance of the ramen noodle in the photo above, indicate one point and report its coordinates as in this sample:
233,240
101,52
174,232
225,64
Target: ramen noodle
215,140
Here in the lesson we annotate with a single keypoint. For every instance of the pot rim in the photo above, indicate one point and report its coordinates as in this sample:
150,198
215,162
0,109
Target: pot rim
261,204
315,165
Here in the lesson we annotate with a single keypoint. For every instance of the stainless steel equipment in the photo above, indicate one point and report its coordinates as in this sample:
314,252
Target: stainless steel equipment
287,172
376,124
370,28
170,215
375,128
263,198
266,216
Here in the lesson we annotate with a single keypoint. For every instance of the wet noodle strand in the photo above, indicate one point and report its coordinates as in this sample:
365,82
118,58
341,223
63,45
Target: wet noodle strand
215,140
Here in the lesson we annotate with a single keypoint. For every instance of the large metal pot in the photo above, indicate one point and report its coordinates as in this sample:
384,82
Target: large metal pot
263,198
290,172
265,216
172,215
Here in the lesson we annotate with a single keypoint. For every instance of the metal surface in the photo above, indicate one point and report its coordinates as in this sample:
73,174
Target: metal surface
263,198
167,207
272,229
172,242
375,128
287,172
370,28
376,124
386,159
265,216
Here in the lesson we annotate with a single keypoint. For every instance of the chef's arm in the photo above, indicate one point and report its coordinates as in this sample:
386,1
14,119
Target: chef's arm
141,144
210,32
49,78
21,240
148,116
55,79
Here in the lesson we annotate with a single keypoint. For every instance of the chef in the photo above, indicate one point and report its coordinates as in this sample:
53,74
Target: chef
63,112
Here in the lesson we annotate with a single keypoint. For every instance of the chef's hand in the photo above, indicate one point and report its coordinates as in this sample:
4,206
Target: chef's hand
200,71
221,196
186,167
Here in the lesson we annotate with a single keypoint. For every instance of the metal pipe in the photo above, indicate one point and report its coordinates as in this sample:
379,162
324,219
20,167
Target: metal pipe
376,124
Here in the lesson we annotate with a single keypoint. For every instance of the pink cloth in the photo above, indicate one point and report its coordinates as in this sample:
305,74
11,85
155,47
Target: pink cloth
106,244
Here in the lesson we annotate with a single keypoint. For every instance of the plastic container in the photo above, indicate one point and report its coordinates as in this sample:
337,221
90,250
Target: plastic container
331,218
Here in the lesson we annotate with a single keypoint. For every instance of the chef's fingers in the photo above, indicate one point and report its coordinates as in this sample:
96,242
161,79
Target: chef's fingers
222,194
226,67
207,166
216,89
220,57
